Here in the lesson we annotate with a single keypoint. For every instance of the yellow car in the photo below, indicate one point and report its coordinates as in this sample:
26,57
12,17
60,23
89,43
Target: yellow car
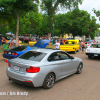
32,42
15,41
70,46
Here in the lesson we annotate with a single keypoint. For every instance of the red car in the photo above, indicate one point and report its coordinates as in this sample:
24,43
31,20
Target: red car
27,39
65,40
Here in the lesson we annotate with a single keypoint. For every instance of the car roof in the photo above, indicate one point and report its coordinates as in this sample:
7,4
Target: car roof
45,50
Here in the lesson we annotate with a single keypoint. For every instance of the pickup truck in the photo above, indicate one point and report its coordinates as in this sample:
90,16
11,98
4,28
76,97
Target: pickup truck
70,46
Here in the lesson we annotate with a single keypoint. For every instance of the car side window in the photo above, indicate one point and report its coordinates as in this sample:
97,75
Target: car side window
63,55
53,57
57,56
98,45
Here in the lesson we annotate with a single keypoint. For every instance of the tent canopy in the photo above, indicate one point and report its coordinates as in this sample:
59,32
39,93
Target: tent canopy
9,33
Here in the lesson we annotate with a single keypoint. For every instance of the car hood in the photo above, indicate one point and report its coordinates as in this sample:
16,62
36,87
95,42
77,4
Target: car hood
42,43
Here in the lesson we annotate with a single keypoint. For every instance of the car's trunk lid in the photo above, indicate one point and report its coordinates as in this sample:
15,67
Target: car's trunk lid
20,65
93,50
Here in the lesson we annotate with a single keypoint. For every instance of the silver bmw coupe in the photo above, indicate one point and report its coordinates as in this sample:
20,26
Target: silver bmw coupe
42,67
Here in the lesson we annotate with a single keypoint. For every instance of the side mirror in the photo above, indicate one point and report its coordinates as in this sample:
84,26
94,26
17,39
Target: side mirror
71,57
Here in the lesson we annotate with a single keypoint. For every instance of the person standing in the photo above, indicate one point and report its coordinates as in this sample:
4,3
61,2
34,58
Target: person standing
3,40
61,42
57,44
83,46
80,43
11,43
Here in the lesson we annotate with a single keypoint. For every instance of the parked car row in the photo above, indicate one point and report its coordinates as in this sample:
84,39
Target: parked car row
27,39
17,51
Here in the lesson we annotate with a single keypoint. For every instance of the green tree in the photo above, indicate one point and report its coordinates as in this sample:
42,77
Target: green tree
62,24
71,22
91,26
44,28
24,24
97,32
81,23
36,22
16,7
97,12
52,6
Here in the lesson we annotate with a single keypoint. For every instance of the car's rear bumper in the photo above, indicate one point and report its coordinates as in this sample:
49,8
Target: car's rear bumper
7,56
21,82
30,79
92,54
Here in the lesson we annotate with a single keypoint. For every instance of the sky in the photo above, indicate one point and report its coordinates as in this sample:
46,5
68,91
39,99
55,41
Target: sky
87,5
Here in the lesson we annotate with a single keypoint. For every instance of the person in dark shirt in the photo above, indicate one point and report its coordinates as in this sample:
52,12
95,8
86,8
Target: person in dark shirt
61,42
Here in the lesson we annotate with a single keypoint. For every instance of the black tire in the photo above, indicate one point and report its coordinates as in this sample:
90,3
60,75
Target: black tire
75,51
89,57
78,50
79,69
49,81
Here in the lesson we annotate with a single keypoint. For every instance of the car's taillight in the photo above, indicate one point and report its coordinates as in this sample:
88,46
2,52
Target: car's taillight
33,69
5,52
9,64
88,49
14,54
7,60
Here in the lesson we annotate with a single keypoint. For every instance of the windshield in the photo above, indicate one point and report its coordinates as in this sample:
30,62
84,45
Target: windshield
33,56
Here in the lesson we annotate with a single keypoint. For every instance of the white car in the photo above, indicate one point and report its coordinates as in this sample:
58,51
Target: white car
93,50
88,44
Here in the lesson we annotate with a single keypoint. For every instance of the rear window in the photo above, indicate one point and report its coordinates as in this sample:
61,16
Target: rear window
69,42
95,46
20,48
33,56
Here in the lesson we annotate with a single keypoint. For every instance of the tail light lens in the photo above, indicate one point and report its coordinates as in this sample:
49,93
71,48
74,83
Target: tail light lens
5,52
7,60
14,54
33,69
88,49
9,64
87,45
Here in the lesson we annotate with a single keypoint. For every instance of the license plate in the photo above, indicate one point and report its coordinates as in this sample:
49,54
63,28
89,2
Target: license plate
16,68
95,54
9,52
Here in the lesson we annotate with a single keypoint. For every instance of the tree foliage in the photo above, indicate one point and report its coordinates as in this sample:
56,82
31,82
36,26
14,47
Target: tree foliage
52,6
77,22
15,8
